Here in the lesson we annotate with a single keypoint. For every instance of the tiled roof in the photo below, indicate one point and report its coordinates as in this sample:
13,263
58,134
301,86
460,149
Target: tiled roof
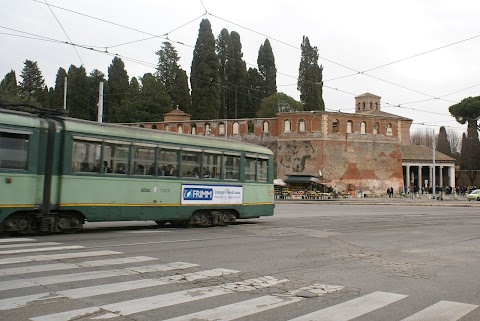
367,94
176,112
422,153
380,113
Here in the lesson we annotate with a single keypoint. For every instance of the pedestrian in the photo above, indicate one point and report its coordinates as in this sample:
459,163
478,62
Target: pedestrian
388,192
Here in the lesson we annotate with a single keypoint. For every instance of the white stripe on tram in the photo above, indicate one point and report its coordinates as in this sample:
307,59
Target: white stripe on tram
73,277
443,311
66,266
16,240
10,246
48,257
164,300
353,308
16,302
239,310
43,249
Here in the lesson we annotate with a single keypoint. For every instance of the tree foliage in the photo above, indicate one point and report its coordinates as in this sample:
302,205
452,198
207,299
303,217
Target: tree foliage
32,85
310,78
78,94
204,76
278,102
467,111
59,91
255,93
443,144
226,62
173,77
118,88
266,67
238,97
8,88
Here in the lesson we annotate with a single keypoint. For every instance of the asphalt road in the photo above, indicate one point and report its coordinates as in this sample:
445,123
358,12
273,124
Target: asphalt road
318,261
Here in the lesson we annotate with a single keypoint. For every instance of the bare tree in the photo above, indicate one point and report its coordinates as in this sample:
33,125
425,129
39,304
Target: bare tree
455,139
422,137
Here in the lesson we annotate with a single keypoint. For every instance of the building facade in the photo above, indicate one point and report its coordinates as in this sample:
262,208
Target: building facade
359,151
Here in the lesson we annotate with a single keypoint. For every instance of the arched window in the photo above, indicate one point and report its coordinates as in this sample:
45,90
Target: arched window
221,129
286,126
179,128
193,129
302,127
389,129
358,106
208,129
371,105
376,128
363,105
235,128
336,126
266,126
349,127
363,127
167,128
154,126
250,127
376,105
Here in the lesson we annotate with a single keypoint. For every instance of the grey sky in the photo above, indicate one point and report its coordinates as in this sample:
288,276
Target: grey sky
352,37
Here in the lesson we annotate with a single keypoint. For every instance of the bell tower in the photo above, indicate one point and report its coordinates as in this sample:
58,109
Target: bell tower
367,102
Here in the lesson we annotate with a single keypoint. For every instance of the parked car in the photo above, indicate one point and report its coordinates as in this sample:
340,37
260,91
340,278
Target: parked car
474,195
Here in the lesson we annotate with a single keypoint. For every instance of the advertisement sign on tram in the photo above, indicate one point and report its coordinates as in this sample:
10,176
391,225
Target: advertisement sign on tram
211,194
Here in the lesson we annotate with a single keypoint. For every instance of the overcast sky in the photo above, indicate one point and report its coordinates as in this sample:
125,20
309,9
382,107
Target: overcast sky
352,37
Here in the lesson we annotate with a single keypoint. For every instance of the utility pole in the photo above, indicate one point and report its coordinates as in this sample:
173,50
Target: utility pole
434,185
100,102
65,94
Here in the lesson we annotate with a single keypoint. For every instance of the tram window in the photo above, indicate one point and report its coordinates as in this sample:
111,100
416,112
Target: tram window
191,162
211,165
262,170
143,158
86,156
231,167
168,162
13,151
116,158
250,168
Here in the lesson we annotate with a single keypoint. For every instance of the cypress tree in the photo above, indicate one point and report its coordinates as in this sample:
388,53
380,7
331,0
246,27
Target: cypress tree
255,93
239,95
443,145
118,88
266,67
181,92
310,78
8,88
78,93
59,89
227,68
204,75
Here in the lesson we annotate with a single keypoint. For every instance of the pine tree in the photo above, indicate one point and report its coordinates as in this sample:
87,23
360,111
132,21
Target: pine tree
239,95
310,78
32,84
266,67
8,88
118,88
443,145
78,93
173,77
204,75
58,95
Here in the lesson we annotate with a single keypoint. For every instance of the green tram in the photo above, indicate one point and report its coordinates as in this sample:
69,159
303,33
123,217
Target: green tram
58,172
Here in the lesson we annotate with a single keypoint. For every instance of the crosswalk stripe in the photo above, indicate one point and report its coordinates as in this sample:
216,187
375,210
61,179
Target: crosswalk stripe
10,246
443,311
14,240
42,249
353,308
72,277
159,301
48,257
239,310
16,302
66,266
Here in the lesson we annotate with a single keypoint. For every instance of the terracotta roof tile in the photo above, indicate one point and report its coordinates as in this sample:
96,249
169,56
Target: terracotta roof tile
419,152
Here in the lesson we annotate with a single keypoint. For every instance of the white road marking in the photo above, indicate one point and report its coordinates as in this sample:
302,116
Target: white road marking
42,249
72,277
14,240
16,302
10,246
159,301
66,266
238,310
48,257
443,311
353,308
